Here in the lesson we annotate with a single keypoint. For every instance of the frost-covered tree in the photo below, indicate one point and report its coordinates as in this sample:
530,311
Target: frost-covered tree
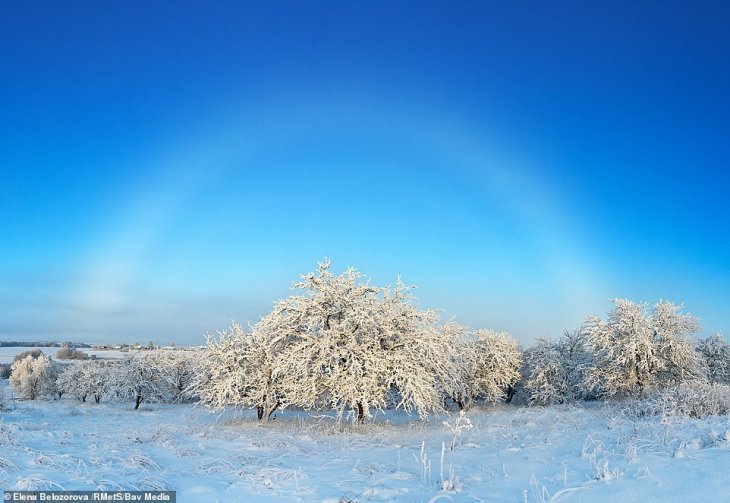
68,382
139,378
637,349
416,355
545,381
488,364
328,355
715,351
577,361
33,378
85,379
238,369
177,369
347,344
55,371
342,345
555,371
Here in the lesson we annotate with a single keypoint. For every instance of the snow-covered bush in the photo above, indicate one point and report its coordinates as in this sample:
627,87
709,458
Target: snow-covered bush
85,379
554,371
487,362
64,353
33,353
695,399
69,353
636,350
715,352
139,378
342,345
5,370
33,378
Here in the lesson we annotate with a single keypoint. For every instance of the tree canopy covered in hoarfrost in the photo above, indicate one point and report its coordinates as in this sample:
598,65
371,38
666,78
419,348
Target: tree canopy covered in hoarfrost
33,377
487,364
237,369
345,345
636,349
89,378
140,378
715,352
555,370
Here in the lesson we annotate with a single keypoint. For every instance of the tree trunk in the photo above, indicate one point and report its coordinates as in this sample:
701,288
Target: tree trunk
138,401
260,412
271,410
360,413
510,393
97,398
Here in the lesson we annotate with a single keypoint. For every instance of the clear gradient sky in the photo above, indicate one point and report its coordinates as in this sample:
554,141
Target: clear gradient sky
167,167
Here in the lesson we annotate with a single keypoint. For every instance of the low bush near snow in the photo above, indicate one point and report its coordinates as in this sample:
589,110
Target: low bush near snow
69,353
696,400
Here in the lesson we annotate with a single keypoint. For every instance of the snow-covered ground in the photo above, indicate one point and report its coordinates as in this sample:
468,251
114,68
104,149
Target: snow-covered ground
510,453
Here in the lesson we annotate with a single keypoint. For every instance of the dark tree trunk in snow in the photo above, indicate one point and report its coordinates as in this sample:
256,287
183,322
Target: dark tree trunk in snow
510,393
271,411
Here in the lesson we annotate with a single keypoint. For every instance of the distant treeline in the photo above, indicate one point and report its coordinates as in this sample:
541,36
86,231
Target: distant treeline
42,344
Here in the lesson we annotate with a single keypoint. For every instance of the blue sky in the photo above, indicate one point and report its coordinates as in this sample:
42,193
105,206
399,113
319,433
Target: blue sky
167,169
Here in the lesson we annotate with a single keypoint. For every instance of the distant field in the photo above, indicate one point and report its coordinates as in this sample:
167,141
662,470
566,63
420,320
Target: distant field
8,353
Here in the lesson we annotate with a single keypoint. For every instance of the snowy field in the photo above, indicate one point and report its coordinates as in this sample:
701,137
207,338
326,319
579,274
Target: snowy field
8,353
510,453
